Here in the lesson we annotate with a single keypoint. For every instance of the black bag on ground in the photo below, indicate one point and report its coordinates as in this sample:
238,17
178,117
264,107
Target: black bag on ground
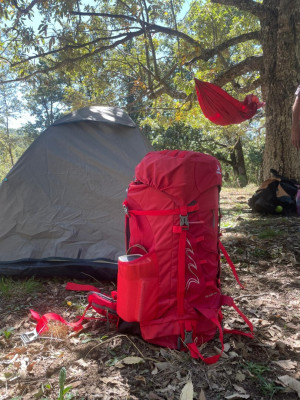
274,192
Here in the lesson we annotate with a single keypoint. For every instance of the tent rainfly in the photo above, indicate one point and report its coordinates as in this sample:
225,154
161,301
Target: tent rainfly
61,204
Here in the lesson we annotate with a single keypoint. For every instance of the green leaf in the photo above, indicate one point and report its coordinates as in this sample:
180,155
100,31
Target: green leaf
67,389
62,380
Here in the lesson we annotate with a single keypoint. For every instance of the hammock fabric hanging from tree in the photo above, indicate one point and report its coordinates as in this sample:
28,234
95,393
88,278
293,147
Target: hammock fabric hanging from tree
221,108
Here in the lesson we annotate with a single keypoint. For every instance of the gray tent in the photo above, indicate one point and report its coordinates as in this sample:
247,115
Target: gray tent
61,204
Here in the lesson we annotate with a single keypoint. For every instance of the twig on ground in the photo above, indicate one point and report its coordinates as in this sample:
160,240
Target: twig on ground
251,295
118,336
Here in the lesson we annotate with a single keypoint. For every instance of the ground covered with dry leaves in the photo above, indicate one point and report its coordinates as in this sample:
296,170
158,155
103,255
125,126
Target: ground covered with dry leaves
99,363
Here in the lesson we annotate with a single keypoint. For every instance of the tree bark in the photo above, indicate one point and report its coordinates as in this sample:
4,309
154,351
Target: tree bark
9,147
280,76
238,164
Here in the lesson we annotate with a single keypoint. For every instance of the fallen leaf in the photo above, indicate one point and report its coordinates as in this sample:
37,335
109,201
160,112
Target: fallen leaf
168,389
112,380
226,346
82,363
164,352
239,389
75,384
30,366
239,376
162,366
187,392
140,378
228,371
286,364
202,395
132,360
216,387
39,393
236,396
119,365
291,383
219,351
17,350
153,396
296,344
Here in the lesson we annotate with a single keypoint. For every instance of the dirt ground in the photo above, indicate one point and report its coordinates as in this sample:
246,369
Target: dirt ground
102,364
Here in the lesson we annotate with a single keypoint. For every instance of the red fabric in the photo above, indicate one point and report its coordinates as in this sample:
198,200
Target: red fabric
177,211
81,288
173,211
42,321
138,288
221,108
169,184
102,304
228,301
223,250
181,273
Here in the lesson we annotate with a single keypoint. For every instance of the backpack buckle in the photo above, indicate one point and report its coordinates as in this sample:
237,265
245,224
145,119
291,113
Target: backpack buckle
184,221
125,208
188,337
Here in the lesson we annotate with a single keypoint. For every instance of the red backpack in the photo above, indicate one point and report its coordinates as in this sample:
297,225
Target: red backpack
170,291
173,289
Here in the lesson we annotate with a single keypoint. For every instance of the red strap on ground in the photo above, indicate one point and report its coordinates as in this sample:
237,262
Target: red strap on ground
81,288
100,304
228,301
194,351
42,321
222,248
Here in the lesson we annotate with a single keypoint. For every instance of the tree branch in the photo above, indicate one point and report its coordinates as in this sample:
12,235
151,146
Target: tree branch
74,47
207,54
254,63
213,153
79,58
163,86
150,26
251,6
27,9
252,86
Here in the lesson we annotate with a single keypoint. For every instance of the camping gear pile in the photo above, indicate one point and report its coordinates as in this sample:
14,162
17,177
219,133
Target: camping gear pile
169,292
276,195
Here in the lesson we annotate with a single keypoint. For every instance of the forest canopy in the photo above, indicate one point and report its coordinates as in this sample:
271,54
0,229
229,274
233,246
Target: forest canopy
143,56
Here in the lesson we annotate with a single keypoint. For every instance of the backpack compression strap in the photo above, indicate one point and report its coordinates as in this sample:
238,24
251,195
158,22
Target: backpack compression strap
212,315
228,259
182,230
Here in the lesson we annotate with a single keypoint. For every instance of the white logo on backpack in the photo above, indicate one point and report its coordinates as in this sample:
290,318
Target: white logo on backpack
192,266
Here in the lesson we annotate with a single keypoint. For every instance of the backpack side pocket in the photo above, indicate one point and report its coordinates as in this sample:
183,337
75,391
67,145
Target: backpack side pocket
138,289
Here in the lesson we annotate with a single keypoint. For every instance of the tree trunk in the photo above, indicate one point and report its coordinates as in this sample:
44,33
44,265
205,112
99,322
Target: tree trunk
281,76
9,147
238,164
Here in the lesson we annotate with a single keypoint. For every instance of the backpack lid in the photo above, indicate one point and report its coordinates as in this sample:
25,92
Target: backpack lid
182,175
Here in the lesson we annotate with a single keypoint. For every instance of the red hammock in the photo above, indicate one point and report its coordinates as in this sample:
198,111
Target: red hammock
221,108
